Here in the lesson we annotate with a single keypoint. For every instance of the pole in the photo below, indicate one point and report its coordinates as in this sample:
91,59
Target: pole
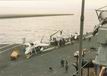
81,37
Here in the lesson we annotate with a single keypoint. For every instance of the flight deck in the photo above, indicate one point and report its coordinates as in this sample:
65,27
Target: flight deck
38,65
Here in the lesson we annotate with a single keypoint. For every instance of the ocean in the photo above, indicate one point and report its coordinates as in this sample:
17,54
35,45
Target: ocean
34,28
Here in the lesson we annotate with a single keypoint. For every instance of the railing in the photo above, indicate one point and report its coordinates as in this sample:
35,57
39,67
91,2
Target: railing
88,70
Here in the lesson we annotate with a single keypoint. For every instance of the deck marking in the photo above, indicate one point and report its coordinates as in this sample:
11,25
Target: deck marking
9,49
5,46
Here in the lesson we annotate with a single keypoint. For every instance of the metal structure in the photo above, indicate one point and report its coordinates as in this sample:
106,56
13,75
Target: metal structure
81,37
101,57
10,16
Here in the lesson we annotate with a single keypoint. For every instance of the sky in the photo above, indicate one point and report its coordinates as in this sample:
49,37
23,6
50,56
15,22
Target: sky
47,6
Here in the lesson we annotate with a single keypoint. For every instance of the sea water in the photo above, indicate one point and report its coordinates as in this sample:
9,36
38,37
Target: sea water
36,28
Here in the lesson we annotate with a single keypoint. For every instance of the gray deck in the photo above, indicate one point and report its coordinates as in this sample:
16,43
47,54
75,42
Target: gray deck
38,65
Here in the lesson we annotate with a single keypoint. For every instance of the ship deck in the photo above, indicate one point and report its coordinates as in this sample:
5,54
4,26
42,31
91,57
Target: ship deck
38,65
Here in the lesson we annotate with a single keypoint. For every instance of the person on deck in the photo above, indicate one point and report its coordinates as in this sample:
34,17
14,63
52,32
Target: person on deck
62,63
66,66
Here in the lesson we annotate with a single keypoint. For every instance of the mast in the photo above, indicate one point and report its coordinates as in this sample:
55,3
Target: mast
81,37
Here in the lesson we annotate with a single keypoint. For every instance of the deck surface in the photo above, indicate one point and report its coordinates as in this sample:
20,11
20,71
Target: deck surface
38,65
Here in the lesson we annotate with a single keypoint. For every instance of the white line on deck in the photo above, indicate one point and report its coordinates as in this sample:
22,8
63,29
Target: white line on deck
5,46
9,49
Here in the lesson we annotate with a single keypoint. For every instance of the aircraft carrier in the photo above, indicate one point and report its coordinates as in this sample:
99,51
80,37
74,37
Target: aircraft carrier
38,65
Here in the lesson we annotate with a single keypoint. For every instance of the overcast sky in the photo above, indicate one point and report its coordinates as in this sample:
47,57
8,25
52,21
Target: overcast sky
47,6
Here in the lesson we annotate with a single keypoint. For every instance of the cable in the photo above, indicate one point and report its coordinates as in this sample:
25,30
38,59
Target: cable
81,68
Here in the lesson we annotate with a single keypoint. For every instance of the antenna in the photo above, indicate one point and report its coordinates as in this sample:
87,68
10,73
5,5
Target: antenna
81,37
30,15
